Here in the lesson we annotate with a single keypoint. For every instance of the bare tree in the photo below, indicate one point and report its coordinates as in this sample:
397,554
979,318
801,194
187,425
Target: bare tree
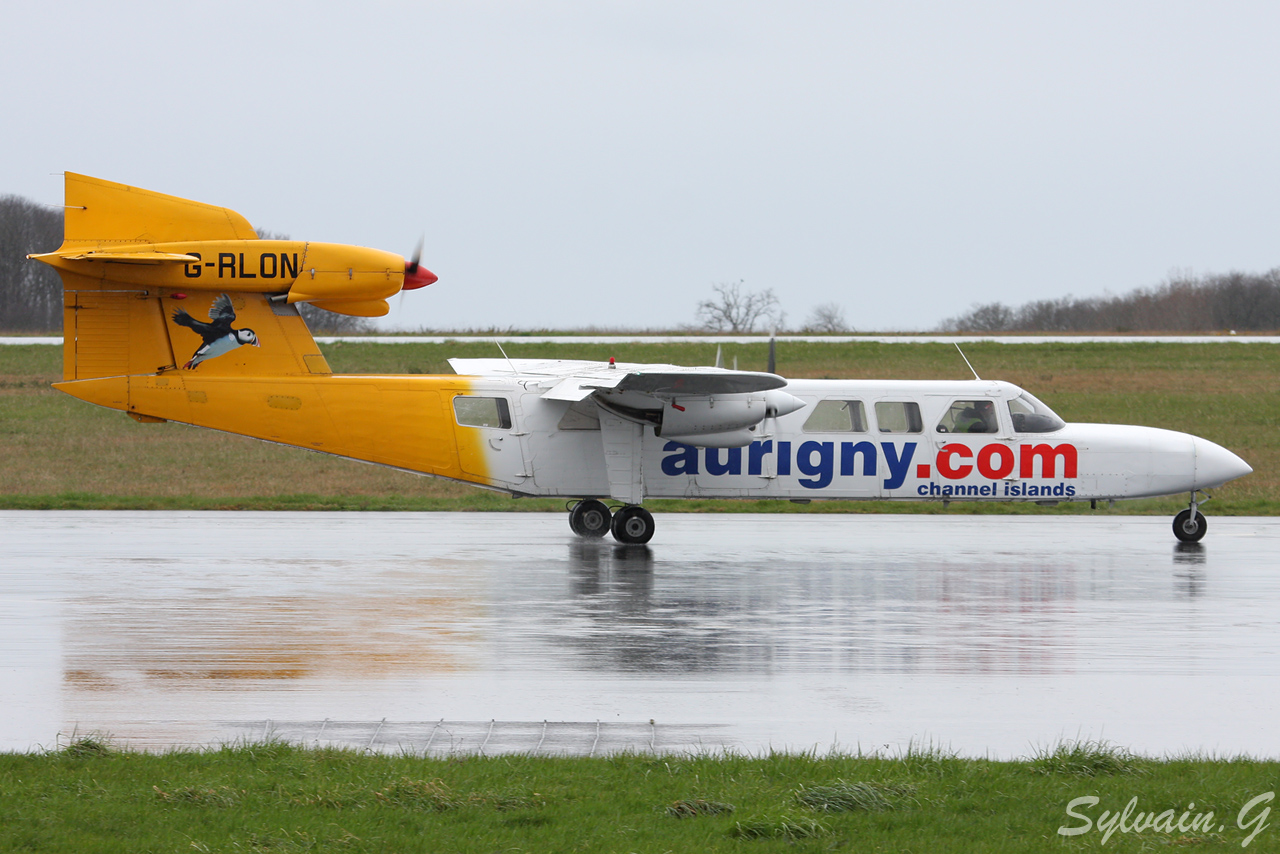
318,320
991,317
733,309
828,317
30,292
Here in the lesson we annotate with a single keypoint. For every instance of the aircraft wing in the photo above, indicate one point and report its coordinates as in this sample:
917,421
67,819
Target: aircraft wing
580,379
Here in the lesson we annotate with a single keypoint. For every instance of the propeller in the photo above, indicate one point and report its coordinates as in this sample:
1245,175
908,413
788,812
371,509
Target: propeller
415,275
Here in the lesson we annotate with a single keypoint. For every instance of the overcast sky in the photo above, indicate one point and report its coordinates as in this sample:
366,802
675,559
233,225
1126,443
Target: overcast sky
603,164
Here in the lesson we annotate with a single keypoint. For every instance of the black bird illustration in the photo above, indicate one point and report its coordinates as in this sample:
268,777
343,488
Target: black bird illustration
218,335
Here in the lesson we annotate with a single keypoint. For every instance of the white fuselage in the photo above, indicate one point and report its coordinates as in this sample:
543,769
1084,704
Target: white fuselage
879,454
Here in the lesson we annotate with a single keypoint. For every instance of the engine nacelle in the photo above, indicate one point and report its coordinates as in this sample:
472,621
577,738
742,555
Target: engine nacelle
348,279
728,416
695,416
730,439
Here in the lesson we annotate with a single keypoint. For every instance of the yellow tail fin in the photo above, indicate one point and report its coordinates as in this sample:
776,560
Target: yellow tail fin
155,284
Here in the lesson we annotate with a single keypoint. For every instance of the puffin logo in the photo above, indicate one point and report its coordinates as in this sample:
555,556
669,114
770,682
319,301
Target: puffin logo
219,337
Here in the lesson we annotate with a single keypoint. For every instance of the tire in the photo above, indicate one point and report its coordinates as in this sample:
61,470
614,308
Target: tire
633,525
1188,530
590,519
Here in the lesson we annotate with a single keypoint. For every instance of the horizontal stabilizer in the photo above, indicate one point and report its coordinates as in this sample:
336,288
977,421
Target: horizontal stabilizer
122,257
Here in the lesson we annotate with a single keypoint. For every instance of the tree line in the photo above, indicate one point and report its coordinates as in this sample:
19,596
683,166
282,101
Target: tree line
1240,302
30,292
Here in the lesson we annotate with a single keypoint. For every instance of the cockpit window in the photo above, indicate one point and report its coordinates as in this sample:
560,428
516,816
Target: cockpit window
894,416
1029,415
837,416
482,412
970,416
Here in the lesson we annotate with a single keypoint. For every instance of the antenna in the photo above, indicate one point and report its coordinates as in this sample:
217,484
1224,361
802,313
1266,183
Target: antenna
510,364
966,360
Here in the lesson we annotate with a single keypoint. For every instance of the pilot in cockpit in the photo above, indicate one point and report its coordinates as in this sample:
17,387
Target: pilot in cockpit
977,416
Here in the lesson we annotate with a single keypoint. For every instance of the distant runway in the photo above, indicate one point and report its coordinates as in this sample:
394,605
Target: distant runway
445,632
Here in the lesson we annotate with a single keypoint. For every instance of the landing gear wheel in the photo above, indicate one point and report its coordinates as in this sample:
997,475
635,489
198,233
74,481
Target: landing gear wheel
633,525
590,519
1189,528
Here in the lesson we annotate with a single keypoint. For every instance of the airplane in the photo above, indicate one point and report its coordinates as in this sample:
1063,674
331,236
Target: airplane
176,311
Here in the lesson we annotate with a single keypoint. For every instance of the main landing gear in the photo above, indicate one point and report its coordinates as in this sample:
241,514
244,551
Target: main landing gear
632,525
1190,526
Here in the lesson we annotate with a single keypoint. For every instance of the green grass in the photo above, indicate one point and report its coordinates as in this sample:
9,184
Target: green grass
57,452
274,797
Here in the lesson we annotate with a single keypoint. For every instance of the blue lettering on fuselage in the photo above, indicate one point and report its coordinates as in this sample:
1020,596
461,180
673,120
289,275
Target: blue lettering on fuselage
732,465
817,461
898,467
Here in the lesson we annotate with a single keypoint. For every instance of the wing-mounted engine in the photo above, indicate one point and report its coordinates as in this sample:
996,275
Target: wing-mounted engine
706,420
705,407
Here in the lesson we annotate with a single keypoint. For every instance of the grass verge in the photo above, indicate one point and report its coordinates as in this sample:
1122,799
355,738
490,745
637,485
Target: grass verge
274,797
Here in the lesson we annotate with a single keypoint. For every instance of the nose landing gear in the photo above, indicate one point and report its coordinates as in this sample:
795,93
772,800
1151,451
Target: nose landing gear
632,525
1190,526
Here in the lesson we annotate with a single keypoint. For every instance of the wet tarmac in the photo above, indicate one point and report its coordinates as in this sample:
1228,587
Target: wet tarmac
443,632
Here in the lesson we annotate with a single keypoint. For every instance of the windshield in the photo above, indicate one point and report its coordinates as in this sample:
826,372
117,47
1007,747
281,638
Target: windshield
1029,415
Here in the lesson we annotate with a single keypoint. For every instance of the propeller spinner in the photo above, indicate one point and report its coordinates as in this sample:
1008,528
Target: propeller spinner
415,275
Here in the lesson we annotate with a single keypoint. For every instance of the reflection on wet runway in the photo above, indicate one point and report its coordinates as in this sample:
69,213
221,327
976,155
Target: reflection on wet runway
498,632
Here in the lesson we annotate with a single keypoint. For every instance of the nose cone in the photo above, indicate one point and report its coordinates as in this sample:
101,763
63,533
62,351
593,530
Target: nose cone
417,276
1215,465
779,403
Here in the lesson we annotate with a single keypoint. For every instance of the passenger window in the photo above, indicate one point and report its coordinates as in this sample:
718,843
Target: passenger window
837,416
970,416
482,412
899,417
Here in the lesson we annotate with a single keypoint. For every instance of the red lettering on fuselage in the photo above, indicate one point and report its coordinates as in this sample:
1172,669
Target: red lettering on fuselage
995,470
1048,455
946,469
997,461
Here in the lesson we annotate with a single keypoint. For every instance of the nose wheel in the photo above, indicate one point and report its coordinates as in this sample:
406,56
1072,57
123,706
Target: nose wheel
1190,526
632,525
